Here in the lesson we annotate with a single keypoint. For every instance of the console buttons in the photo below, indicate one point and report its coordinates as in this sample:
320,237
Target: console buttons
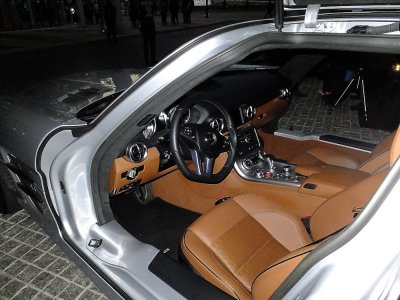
247,164
287,169
259,173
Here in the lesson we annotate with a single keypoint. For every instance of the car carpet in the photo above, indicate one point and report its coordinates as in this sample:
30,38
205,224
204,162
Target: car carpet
181,278
157,223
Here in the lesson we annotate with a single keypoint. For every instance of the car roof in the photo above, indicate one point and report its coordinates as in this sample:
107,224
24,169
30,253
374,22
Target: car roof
340,3
345,2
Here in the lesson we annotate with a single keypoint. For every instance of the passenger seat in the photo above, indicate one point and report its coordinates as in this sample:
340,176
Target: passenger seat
319,156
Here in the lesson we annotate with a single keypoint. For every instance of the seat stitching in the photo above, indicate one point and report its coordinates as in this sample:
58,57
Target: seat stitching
216,276
256,252
278,263
223,266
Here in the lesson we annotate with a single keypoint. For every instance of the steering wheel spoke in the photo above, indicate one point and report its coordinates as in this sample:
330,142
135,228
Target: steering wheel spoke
196,158
203,165
209,165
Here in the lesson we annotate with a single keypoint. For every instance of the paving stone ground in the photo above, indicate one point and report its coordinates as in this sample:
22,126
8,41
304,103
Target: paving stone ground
309,114
33,267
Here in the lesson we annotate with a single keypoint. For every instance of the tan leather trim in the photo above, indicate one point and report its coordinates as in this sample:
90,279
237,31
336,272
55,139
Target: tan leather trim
284,227
384,145
229,246
308,170
323,222
270,111
268,281
376,163
201,197
287,149
331,180
395,151
150,171
208,274
334,157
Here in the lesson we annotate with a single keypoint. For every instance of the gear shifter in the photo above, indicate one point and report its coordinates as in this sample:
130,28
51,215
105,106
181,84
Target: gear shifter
267,158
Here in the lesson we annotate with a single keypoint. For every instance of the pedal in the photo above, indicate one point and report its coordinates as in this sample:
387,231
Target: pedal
143,194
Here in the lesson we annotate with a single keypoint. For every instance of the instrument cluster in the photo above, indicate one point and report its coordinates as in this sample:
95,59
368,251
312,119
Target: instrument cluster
161,122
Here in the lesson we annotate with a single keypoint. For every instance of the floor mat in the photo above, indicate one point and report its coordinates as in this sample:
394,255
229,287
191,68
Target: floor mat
157,223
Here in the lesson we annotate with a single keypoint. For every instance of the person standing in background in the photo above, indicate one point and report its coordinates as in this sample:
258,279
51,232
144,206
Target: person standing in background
148,30
164,11
174,10
110,15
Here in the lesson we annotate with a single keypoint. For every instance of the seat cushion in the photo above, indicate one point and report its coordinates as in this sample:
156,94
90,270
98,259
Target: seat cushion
318,156
236,241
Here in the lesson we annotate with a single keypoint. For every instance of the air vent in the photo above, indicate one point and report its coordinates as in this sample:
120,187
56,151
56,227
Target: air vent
136,153
25,183
247,112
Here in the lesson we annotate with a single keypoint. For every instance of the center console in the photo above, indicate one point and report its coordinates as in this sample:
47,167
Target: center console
254,164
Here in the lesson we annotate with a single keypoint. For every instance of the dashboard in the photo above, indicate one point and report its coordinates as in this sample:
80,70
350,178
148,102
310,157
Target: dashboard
148,156
251,97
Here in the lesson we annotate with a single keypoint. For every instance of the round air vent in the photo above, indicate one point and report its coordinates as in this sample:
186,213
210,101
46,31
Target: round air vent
250,112
136,152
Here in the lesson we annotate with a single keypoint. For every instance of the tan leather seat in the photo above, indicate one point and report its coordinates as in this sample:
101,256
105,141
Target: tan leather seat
248,245
319,156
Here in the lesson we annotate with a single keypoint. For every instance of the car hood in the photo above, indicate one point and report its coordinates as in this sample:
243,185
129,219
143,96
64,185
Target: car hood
29,116
60,99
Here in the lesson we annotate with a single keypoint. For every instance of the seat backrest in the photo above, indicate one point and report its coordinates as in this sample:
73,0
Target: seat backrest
332,215
380,156
340,210
395,151
268,281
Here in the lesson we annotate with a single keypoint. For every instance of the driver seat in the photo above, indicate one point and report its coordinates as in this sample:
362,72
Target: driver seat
248,245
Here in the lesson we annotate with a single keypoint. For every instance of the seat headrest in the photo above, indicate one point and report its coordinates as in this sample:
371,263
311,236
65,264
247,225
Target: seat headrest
395,151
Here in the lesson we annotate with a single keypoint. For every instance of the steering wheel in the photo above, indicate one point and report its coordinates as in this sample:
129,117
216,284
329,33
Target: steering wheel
204,143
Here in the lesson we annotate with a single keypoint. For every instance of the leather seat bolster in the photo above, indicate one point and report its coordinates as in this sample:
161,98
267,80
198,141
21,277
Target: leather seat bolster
324,222
395,151
236,240
214,272
268,281
334,157
284,227
376,163
384,145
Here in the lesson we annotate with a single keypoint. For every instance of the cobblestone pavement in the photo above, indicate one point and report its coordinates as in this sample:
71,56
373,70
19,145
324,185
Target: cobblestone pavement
33,267
309,114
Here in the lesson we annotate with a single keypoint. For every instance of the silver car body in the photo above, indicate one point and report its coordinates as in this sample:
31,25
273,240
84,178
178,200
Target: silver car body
73,159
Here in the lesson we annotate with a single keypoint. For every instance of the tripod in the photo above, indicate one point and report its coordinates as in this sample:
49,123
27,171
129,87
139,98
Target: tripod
358,79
